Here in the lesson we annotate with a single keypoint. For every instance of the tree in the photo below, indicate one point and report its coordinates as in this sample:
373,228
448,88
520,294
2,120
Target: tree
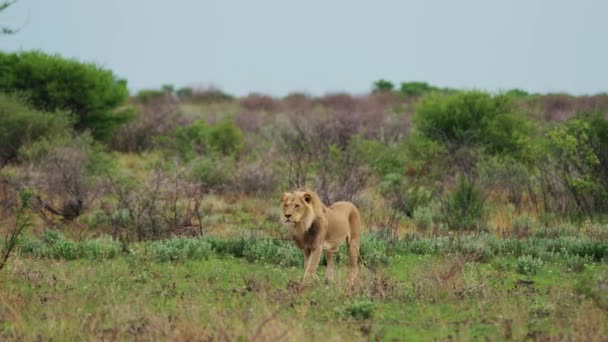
383,86
51,83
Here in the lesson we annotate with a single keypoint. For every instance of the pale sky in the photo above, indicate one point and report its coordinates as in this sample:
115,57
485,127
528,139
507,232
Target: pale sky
319,46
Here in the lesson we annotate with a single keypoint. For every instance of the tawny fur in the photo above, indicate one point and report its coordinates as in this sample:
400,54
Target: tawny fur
315,228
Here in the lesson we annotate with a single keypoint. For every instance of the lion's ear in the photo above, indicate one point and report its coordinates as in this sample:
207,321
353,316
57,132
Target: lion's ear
307,198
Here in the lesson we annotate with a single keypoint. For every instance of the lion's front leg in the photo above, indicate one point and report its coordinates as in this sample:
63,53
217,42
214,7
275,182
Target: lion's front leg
306,258
311,262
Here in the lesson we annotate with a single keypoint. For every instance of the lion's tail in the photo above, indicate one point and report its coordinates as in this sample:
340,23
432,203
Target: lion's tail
354,218
354,238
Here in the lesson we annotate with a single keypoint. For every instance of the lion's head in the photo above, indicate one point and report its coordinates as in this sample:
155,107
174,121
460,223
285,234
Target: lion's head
300,208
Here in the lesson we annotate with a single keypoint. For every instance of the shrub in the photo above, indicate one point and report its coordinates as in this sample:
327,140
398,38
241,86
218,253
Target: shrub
513,177
522,226
226,138
99,249
180,249
188,141
517,93
464,207
577,263
383,159
422,246
416,88
259,102
148,95
233,247
21,125
578,152
477,249
341,175
361,308
403,195
374,251
64,249
32,246
54,245
203,95
528,265
474,119
214,172
256,178
339,102
51,83
51,236
555,231
274,252
66,174
21,222
184,93
154,119
594,285
199,138
423,217
163,202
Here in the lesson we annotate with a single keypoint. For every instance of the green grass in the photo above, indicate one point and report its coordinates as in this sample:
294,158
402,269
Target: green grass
413,297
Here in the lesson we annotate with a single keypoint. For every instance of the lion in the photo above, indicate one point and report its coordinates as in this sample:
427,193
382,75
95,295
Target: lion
315,228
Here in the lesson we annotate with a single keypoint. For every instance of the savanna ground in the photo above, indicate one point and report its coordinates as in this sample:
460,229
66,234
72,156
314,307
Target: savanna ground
550,287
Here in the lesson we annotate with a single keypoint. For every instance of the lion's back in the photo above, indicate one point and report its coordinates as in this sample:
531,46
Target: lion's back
344,213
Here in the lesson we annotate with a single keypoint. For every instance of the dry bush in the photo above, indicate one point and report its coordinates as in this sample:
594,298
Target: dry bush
558,107
203,95
256,178
338,102
376,286
297,102
324,140
249,121
447,281
157,117
341,176
371,116
63,185
385,117
260,103
561,107
162,205
9,188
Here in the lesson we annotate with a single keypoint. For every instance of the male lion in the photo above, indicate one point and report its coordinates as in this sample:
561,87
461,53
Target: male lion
315,227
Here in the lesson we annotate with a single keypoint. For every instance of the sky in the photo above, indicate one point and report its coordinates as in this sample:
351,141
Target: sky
324,46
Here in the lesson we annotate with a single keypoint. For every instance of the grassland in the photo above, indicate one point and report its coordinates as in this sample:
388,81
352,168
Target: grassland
412,294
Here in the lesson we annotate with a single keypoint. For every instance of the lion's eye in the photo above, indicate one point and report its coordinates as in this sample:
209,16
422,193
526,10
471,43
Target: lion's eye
297,205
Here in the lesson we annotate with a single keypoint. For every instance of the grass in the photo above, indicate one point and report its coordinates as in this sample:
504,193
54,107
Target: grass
217,293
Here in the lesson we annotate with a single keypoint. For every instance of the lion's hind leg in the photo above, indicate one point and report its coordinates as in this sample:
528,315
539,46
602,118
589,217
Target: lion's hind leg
353,259
329,273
